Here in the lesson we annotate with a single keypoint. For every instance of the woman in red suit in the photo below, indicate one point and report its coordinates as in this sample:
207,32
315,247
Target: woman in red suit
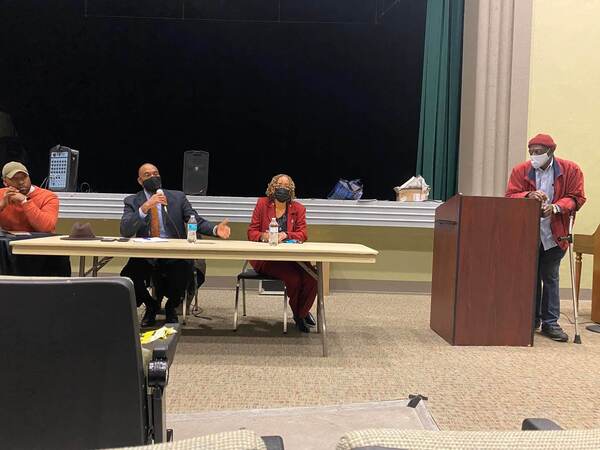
291,216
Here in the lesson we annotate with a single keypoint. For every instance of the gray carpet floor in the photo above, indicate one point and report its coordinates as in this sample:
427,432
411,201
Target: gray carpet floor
381,348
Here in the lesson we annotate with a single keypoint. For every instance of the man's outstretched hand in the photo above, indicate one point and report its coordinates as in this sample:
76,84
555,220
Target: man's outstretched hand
223,230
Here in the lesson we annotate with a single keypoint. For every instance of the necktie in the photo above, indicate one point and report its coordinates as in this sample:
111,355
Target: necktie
154,225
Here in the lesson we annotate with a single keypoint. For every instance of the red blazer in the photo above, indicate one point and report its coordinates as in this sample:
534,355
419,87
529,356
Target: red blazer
568,192
264,211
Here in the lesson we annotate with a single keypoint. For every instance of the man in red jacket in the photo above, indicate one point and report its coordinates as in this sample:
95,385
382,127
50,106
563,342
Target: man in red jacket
558,185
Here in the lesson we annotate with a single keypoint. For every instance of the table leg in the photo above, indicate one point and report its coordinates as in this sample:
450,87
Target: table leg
95,266
326,278
596,284
82,266
321,323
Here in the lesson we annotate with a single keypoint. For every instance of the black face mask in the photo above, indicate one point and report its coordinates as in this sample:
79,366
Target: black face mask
152,184
282,194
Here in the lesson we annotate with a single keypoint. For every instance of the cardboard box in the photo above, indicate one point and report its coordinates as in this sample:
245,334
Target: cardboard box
411,195
414,190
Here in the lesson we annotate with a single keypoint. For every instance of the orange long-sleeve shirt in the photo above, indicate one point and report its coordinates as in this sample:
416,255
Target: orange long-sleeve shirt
38,213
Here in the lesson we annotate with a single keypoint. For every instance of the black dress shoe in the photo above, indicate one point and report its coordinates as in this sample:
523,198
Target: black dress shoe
537,324
310,321
149,318
301,325
171,315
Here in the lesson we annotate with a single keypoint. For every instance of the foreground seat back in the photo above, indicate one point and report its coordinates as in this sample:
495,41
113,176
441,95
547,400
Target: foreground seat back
376,439
72,375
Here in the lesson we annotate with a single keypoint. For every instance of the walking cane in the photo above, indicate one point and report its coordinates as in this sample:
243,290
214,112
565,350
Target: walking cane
569,239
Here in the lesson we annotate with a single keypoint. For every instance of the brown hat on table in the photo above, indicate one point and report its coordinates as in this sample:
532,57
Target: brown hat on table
12,168
81,232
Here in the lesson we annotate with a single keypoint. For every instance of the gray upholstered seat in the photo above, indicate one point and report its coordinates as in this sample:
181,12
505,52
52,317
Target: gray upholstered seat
372,439
229,440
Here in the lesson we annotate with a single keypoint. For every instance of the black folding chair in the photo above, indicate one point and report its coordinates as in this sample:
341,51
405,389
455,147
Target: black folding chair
73,373
250,274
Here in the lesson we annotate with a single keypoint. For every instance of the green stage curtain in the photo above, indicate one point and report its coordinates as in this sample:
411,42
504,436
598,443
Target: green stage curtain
437,157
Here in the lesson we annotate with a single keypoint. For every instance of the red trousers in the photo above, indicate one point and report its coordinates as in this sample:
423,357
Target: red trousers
301,287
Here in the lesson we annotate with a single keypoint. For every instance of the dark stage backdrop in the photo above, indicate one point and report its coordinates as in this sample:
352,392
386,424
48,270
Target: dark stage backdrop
317,100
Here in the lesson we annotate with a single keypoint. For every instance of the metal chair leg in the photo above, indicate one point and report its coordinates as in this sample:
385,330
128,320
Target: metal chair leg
82,266
284,312
154,294
244,297
187,297
235,308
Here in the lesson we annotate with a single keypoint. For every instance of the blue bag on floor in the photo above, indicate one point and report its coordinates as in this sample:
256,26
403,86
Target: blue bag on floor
346,190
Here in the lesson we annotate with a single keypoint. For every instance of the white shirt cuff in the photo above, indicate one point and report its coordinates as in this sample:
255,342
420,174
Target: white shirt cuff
141,213
215,230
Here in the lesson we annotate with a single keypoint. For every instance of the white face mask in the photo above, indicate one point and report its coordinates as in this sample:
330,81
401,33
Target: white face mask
538,161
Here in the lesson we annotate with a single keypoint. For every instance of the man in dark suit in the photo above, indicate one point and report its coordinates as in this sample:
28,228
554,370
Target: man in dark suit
154,212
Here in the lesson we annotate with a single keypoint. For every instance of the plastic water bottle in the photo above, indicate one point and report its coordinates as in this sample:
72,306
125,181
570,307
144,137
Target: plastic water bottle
273,232
192,228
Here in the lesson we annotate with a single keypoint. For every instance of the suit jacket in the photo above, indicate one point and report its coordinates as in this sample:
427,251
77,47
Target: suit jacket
264,211
568,192
174,221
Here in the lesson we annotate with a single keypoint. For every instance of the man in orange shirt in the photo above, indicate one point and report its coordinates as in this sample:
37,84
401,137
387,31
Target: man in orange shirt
24,207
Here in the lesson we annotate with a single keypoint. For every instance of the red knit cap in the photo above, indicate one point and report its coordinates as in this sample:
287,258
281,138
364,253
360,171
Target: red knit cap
542,139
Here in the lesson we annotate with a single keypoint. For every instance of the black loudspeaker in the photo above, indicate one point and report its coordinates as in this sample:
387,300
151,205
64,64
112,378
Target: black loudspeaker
64,164
195,172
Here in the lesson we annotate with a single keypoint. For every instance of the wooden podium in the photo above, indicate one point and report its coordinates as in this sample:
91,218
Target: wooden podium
485,259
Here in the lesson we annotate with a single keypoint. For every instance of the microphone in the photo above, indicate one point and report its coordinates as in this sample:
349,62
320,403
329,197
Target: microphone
161,192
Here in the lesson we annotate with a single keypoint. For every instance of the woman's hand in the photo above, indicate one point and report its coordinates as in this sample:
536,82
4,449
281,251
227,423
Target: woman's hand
282,236
264,237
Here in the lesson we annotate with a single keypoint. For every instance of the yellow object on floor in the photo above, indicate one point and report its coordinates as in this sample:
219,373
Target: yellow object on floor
153,335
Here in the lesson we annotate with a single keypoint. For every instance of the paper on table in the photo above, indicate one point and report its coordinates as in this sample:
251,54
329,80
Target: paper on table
151,239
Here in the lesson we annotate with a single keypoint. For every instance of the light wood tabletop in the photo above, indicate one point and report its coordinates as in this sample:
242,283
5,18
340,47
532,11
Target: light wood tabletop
203,248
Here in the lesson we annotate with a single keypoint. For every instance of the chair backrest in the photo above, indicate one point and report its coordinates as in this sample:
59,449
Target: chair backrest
72,374
372,439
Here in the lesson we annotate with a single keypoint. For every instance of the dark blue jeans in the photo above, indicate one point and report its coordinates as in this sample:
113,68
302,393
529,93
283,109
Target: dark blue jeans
547,302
